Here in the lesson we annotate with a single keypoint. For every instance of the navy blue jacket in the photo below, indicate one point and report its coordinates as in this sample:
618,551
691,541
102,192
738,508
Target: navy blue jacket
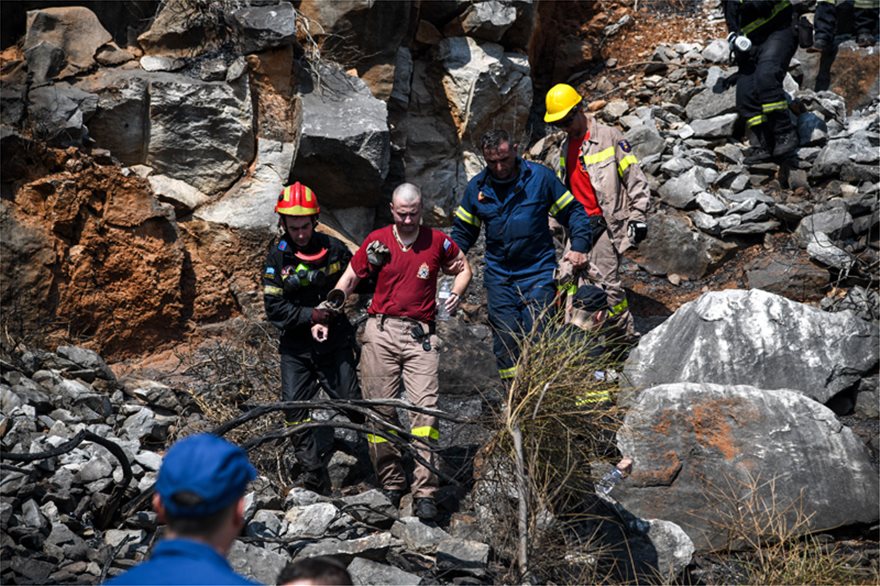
182,561
519,245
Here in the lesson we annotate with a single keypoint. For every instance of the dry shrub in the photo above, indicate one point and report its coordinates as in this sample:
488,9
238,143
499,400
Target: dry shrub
770,540
544,446
231,372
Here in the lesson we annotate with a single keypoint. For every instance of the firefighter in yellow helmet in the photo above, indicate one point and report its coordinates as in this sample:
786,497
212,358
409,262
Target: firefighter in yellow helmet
317,340
600,169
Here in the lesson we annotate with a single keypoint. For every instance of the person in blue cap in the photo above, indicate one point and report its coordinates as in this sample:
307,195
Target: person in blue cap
200,496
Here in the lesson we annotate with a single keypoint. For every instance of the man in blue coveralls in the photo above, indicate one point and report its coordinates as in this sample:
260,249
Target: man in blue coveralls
200,495
513,198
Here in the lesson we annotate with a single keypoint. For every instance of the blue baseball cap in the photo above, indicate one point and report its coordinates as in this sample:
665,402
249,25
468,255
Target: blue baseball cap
201,474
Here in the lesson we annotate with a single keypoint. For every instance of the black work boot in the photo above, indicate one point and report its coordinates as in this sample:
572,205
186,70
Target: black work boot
784,133
394,495
425,508
760,151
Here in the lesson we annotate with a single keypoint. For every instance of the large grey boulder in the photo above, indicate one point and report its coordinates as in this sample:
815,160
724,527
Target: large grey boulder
257,563
71,34
345,146
723,461
737,337
121,123
850,159
673,246
200,132
465,89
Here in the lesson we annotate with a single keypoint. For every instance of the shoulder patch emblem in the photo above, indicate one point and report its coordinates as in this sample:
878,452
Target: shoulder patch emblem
269,273
625,146
424,271
446,244
282,245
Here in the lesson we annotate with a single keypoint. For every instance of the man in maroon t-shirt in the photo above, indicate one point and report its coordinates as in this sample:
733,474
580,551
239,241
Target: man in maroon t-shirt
399,339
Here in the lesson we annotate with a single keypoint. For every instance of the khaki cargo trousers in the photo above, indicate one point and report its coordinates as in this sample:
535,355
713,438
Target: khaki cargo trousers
391,356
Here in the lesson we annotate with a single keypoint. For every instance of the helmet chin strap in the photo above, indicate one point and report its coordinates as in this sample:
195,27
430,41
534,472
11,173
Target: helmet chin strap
318,256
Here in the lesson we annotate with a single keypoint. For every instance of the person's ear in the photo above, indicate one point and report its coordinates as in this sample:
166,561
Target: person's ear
159,508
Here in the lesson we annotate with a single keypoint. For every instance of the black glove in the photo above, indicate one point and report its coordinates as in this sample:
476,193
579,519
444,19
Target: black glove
321,316
378,254
637,231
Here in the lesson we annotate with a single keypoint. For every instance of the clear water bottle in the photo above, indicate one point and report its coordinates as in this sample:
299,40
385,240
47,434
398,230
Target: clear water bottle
611,478
443,294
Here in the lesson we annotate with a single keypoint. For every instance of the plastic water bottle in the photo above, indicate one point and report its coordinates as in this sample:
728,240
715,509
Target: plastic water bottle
607,483
443,295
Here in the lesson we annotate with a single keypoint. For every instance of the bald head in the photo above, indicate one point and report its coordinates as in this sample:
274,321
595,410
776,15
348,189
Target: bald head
406,208
406,193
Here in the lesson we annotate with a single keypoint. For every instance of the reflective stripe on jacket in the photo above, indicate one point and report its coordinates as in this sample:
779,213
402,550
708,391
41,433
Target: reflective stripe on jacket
620,184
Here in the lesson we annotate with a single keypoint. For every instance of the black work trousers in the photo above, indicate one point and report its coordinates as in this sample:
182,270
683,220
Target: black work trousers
825,21
303,374
759,94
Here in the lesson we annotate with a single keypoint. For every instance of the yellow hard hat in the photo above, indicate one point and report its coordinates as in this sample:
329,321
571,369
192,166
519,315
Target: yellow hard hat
560,99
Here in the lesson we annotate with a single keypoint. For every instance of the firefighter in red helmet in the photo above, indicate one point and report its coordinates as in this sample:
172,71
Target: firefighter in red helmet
317,340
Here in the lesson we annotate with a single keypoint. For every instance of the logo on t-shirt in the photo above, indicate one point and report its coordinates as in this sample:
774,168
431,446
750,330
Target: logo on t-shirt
424,271
446,244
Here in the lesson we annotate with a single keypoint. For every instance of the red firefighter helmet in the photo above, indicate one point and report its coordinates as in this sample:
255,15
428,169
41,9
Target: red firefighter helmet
297,200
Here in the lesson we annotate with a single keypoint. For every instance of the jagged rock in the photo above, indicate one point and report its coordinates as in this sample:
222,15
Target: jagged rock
250,203
675,248
755,338
264,27
835,222
74,30
485,86
121,122
822,249
681,191
837,159
301,497
365,572
111,55
371,507
311,520
87,359
59,113
180,194
45,61
417,536
462,555
372,546
476,86
710,203
179,30
159,63
257,563
794,278
676,166
695,445
812,130
714,100
358,142
153,393
718,51
744,228
716,127
487,20
645,140
200,132
268,525
145,424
